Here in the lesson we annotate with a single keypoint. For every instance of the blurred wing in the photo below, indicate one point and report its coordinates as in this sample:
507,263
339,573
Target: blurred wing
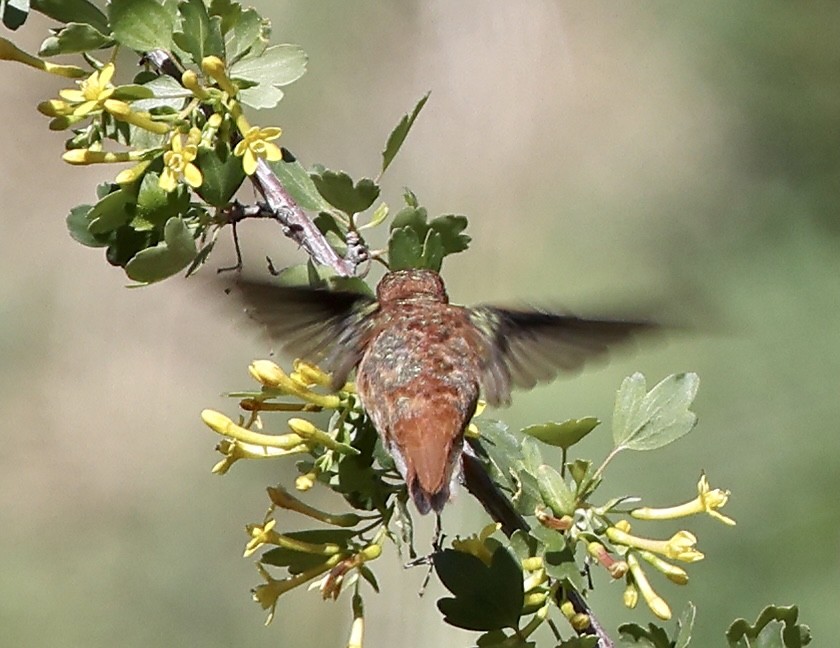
327,328
522,348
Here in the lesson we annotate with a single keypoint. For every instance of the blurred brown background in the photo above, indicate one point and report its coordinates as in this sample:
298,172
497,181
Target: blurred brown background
604,153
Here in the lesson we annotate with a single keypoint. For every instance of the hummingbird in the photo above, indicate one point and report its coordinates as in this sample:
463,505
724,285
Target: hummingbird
422,363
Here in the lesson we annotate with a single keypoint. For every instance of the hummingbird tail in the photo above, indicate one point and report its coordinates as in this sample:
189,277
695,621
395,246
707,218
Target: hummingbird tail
426,501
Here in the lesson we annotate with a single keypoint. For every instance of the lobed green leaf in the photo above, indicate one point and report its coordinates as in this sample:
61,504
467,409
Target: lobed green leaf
646,421
200,34
486,597
338,189
173,254
776,627
141,25
73,11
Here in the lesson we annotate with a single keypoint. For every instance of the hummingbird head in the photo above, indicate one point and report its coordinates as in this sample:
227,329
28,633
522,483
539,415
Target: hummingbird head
414,285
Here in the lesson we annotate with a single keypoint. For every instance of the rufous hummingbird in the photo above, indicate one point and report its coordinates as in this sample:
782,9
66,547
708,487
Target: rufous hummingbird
421,363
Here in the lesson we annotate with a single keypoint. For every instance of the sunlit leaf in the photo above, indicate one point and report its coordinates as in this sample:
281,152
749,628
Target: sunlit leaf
646,421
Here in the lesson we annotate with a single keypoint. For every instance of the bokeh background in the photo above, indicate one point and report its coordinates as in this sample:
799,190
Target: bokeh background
604,152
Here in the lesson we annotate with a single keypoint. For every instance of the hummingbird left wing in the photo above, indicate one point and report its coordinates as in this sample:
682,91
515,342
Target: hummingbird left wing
520,348
325,327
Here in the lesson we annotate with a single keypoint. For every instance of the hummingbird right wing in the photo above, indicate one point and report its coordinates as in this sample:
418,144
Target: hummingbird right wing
520,348
328,328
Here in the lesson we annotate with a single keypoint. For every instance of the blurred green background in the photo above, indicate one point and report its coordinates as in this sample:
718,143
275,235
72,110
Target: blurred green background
604,152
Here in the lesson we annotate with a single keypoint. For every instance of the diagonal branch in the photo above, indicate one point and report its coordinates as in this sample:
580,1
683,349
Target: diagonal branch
296,224
478,483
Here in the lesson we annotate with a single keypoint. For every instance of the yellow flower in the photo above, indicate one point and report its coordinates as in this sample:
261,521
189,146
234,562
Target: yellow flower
707,501
178,161
256,143
678,547
655,602
475,544
266,595
92,92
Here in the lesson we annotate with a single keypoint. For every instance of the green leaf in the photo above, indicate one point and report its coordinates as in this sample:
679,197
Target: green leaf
245,31
588,641
646,421
555,492
75,37
413,217
111,212
199,34
338,189
487,597
133,92
297,182
433,251
632,634
69,11
155,206
222,175
398,135
685,624
273,68
141,25
78,222
450,227
776,627
175,253
561,565
404,249
126,242
565,434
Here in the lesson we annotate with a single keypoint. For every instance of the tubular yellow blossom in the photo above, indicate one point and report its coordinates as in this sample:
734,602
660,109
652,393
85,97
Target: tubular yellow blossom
309,374
122,111
178,161
256,144
269,374
534,600
567,609
214,67
127,176
221,424
707,501
282,498
475,544
631,595
536,579
54,108
623,525
10,52
234,450
580,622
532,564
655,602
262,535
266,595
672,572
679,547
305,429
88,156
92,93
304,482
190,81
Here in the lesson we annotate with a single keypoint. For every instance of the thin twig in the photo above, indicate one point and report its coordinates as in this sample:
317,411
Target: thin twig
283,208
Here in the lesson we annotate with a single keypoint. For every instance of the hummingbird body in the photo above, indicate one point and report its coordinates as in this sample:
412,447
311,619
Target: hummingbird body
419,382
422,362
